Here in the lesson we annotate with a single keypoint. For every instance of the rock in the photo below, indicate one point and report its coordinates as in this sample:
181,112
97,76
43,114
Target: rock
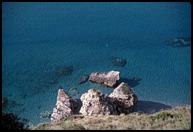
95,103
123,98
118,61
180,42
45,114
64,71
109,79
83,79
63,107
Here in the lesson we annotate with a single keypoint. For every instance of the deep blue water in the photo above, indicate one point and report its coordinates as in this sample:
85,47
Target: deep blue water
40,37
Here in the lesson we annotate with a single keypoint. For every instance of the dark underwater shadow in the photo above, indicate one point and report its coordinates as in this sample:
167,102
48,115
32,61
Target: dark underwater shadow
178,45
150,107
132,82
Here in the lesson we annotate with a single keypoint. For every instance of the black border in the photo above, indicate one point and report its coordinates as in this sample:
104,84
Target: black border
190,1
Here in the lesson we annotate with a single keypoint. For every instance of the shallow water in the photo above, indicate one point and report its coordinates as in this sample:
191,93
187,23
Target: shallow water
38,38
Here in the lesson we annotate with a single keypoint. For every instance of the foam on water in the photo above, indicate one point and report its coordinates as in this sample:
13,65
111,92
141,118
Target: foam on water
39,37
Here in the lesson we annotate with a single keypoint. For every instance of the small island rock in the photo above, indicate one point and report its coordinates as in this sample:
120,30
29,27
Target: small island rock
108,79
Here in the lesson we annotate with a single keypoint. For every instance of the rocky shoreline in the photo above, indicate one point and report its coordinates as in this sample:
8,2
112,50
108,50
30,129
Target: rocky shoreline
97,107
93,102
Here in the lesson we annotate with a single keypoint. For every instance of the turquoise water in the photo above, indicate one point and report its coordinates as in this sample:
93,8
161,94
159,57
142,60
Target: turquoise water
38,38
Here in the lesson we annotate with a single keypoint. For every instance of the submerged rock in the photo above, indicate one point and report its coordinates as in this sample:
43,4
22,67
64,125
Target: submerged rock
64,71
118,61
9,104
83,79
109,79
180,42
4,102
45,114
95,103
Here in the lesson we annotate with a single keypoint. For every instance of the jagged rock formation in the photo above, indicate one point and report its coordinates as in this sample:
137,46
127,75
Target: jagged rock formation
109,79
95,103
121,100
65,106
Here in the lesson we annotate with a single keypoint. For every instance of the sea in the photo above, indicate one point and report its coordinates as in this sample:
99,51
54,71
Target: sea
51,45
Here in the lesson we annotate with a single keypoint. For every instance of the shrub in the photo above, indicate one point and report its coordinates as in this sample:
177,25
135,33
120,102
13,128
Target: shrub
11,121
162,116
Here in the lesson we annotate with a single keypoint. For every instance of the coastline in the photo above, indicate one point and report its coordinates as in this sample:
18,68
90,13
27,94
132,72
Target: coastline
178,117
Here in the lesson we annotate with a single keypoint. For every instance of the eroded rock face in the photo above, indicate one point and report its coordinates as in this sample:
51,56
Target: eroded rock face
109,79
123,98
95,103
63,108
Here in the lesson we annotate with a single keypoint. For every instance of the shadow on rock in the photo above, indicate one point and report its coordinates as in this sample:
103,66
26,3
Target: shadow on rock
149,107
83,79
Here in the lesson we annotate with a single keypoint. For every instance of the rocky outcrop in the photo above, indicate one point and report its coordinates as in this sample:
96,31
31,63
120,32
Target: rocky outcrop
95,103
65,106
123,98
109,79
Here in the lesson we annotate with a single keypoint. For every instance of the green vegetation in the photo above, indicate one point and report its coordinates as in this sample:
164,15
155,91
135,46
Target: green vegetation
175,118
162,116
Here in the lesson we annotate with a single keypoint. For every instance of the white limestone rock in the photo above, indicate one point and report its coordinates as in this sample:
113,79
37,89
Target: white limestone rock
109,79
